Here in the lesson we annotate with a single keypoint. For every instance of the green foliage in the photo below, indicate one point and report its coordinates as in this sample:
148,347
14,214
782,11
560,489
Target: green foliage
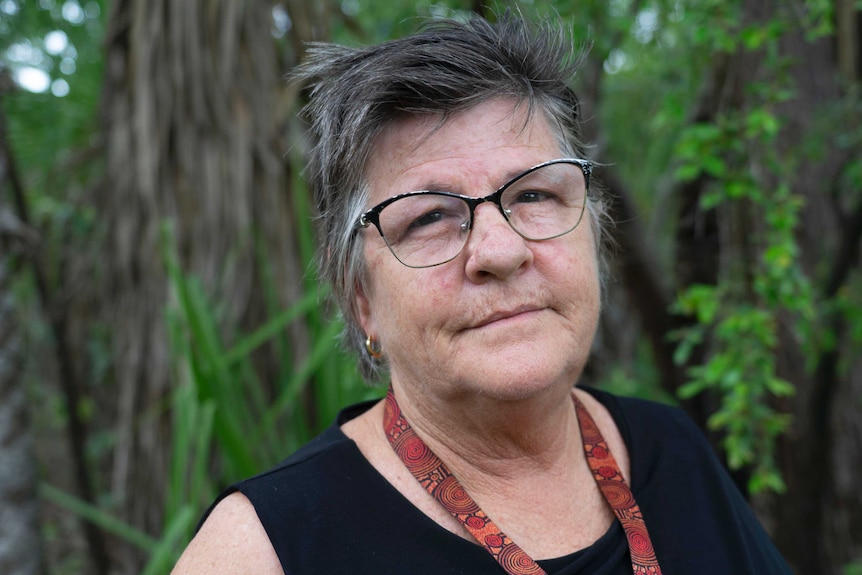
854,568
742,369
819,18
229,424
162,551
639,379
54,137
739,319
376,21
48,129
230,421
99,517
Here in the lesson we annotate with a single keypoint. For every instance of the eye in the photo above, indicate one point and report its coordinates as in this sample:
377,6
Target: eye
422,217
426,219
534,196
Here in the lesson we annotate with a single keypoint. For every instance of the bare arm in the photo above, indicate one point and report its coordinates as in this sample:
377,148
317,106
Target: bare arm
231,542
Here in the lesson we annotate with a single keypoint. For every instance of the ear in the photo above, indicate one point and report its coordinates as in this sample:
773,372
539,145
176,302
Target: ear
364,310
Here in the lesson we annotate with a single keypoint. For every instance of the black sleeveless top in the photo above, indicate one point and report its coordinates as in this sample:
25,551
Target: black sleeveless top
327,510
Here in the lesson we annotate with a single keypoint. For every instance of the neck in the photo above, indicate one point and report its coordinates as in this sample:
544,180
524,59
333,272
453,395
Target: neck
486,439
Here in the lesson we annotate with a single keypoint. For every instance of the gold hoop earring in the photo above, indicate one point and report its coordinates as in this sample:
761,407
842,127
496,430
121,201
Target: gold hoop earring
374,349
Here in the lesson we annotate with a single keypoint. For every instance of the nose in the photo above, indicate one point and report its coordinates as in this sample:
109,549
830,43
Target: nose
494,249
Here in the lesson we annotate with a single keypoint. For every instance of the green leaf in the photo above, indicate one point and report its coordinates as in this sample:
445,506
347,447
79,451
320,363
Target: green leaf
714,166
271,328
99,517
779,387
687,172
692,389
165,554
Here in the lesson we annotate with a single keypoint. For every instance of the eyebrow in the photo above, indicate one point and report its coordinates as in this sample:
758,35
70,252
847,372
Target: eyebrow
438,186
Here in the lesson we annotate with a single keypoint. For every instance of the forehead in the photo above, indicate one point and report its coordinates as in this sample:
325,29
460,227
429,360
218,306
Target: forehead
487,142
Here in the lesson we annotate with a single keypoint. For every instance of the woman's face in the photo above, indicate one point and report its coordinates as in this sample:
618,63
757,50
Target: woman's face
508,316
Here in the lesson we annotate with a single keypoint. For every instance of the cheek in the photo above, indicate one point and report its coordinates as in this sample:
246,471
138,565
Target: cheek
414,307
586,253
576,275
373,292
392,292
436,290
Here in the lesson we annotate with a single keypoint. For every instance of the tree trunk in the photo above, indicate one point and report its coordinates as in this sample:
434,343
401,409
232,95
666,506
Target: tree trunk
194,124
20,536
817,524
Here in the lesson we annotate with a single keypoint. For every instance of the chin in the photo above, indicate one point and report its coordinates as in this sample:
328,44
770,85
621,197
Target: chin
538,362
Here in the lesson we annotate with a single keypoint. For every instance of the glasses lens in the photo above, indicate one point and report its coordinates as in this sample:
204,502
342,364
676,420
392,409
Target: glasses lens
426,229
547,202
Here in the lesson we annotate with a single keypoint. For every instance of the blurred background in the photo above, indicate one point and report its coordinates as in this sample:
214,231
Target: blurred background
162,333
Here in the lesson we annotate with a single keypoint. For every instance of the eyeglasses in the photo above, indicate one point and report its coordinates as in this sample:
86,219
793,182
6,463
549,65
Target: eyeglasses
429,228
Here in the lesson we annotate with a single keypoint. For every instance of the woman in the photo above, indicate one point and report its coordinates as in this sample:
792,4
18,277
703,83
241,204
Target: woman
463,241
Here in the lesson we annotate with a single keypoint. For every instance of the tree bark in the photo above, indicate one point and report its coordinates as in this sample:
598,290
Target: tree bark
20,233
817,524
819,520
20,531
194,127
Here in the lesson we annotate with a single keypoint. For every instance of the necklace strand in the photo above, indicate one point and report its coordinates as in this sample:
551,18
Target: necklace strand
436,479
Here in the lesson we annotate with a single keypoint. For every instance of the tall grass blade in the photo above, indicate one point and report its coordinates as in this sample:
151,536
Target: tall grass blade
98,517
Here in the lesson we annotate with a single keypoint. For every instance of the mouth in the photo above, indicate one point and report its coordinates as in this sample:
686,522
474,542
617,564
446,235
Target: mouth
502,316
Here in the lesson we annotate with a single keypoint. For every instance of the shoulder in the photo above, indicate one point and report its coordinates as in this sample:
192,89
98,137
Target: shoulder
261,522
231,541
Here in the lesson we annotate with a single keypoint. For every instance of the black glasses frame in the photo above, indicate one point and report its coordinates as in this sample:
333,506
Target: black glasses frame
372,216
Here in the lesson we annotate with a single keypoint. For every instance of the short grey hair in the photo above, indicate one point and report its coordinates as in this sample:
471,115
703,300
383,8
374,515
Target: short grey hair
444,68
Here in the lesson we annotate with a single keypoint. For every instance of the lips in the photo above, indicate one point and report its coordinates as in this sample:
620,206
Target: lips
500,315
